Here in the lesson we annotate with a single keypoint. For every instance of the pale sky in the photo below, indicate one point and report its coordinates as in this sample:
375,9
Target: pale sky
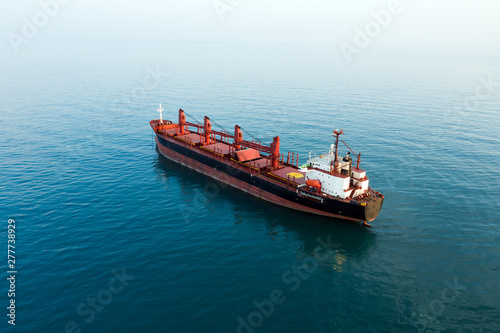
471,22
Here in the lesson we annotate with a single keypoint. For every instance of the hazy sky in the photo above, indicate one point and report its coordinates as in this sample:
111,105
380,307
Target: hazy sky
331,21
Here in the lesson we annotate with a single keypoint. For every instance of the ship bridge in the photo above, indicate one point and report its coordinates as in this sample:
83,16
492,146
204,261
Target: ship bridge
335,174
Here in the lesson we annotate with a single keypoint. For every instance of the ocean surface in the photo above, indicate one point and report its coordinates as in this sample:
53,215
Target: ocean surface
113,237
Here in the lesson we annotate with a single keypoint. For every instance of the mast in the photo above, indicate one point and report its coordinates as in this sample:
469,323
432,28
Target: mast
160,110
337,133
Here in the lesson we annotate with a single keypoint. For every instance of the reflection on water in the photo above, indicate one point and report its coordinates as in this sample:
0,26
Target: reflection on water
340,240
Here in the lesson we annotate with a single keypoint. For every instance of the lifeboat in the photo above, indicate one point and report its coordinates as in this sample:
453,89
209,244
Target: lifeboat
313,183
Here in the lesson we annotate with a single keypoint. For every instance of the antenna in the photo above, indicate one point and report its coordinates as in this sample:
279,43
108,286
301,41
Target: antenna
160,110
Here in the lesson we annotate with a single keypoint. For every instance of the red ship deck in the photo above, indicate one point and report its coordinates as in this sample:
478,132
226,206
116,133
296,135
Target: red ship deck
219,147
260,163
191,138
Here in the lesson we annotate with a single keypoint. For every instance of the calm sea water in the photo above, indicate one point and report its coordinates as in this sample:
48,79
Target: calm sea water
93,200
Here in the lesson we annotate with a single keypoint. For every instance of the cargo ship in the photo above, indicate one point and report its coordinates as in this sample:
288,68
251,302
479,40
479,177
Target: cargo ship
328,184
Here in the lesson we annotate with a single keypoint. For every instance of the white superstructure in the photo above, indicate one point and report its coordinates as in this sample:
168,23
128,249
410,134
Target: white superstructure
336,178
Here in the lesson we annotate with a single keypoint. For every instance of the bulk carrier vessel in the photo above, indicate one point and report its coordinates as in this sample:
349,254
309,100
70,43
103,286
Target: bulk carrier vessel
327,185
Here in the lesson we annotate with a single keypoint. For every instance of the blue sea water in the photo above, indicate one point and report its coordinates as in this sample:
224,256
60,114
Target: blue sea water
113,237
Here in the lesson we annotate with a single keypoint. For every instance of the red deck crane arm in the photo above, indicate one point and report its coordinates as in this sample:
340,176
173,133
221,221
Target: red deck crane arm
248,144
244,143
